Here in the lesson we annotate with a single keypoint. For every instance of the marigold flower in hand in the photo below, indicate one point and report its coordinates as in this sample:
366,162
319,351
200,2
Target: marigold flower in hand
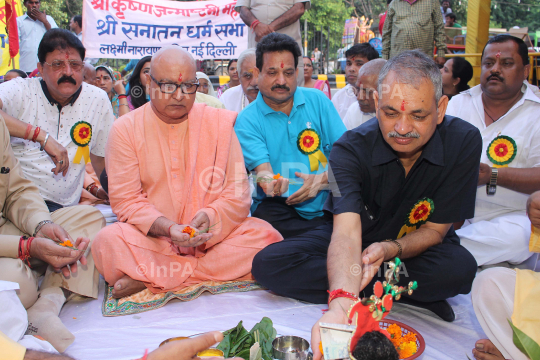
66,242
277,176
189,230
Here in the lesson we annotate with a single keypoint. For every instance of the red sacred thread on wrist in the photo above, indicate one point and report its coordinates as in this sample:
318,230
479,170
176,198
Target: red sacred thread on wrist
24,249
170,230
338,293
36,133
122,96
254,24
28,131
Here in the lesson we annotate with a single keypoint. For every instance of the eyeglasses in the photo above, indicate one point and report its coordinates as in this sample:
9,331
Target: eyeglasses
58,65
170,88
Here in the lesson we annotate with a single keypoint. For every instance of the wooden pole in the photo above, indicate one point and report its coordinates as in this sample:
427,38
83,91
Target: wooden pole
478,15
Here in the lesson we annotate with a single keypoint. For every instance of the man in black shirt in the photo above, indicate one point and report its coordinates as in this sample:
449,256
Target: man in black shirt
398,184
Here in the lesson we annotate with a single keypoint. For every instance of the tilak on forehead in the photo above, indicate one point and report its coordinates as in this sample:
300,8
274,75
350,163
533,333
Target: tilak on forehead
67,55
403,105
282,64
180,77
498,54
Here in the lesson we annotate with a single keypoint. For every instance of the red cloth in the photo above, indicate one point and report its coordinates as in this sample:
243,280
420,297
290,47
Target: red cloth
11,26
381,22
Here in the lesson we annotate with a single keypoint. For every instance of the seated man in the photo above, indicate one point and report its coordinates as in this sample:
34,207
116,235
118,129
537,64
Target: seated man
288,130
171,163
505,110
451,21
60,114
357,56
500,294
24,260
238,97
398,183
363,109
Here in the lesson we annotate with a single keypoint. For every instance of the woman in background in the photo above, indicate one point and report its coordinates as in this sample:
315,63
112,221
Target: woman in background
322,85
114,88
205,85
138,96
232,69
456,73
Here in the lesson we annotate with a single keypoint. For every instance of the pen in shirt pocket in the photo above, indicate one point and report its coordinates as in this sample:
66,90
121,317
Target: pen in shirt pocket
369,212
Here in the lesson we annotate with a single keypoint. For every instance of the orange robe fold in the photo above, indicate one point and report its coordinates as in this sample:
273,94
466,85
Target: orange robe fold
157,169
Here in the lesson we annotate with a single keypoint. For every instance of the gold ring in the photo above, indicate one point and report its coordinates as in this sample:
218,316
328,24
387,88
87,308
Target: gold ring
275,193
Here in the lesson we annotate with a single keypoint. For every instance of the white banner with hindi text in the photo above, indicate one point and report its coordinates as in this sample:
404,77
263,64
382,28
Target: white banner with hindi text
131,29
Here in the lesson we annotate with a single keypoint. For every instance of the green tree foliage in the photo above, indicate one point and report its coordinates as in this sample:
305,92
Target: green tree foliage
325,13
509,13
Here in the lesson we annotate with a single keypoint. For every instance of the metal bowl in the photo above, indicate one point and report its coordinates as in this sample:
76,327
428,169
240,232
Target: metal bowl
290,348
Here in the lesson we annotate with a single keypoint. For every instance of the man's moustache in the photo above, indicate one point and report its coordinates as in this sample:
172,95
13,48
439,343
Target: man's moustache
68,79
495,77
284,87
412,134
256,88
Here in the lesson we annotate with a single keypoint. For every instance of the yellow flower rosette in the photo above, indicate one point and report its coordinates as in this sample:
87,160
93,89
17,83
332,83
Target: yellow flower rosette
419,215
502,151
309,143
81,134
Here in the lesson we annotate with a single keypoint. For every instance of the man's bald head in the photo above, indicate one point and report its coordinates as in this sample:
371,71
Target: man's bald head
171,65
372,68
170,58
367,84
89,73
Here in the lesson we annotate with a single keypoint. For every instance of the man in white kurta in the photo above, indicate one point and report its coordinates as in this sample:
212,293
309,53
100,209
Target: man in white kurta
363,109
506,111
238,97
357,56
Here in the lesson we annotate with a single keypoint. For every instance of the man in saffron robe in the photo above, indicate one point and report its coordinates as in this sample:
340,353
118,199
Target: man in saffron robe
172,163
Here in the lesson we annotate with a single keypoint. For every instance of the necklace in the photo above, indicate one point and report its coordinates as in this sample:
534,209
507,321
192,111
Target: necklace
491,117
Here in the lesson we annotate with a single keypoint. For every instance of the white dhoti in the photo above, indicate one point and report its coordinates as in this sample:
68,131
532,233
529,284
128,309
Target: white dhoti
503,238
493,302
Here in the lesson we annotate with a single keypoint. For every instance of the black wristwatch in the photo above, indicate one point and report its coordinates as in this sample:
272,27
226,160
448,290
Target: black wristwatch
491,186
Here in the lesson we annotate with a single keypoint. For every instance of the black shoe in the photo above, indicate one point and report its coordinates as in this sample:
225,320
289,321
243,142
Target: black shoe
441,308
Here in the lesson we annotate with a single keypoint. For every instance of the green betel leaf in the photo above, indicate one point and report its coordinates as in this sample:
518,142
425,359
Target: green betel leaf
525,344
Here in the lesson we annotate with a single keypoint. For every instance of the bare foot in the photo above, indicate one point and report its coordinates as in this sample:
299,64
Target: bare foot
485,350
127,286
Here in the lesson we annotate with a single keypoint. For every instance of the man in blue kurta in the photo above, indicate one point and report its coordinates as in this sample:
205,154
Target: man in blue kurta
286,136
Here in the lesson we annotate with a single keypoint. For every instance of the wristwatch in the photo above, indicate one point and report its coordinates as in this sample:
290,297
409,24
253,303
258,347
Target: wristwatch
491,186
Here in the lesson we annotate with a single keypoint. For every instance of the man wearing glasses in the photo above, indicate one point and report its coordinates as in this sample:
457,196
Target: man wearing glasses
57,123
178,184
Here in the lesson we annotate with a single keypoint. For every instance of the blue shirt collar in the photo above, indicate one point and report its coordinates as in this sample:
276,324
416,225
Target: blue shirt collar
299,99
